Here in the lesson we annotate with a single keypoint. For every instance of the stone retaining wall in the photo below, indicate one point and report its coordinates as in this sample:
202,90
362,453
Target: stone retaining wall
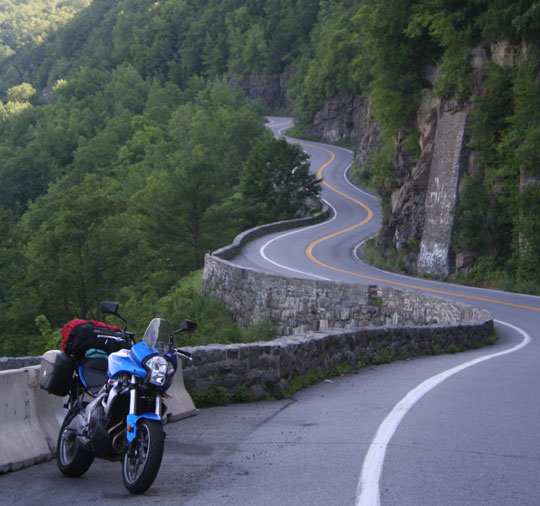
322,324
266,368
18,362
296,305
231,250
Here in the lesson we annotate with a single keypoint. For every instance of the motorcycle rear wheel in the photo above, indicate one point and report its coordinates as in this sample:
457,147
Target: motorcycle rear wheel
143,457
72,457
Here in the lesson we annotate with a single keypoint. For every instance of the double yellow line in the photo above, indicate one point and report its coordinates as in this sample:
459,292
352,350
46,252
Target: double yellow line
311,256
309,250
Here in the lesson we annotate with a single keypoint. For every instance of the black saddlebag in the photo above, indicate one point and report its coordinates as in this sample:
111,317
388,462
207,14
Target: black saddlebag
56,372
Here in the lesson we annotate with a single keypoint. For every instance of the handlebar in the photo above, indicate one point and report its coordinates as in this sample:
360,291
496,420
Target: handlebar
114,338
127,337
184,353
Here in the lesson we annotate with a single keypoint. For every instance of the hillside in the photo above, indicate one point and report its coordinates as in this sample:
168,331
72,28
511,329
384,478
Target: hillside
125,126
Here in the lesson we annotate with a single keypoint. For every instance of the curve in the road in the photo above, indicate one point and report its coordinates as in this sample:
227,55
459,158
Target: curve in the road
368,483
367,492
313,258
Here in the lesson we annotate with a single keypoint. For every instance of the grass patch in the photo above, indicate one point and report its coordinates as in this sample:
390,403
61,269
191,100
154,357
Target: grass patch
241,395
313,377
383,357
458,348
341,369
454,348
215,324
391,262
300,382
363,178
261,330
215,395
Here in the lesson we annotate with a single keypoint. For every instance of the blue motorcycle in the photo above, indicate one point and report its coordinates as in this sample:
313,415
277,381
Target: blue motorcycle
115,405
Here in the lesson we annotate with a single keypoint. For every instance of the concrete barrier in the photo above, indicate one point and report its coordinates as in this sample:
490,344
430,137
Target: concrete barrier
23,442
179,405
51,413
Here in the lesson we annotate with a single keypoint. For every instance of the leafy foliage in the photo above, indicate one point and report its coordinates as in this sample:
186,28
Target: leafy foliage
125,155
276,182
505,134
484,224
117,186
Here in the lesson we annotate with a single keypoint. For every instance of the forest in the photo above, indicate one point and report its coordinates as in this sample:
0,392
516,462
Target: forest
125,155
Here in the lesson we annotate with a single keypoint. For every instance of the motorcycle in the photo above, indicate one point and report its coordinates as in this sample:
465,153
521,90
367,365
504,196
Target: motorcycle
124,421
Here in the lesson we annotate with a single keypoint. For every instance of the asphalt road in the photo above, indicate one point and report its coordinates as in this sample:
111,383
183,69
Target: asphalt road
445,430
473,437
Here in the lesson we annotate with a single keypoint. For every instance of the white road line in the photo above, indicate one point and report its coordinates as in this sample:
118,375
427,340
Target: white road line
367,490
268,259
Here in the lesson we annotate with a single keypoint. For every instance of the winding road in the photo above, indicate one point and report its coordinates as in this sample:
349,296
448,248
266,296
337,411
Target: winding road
445,430
507,409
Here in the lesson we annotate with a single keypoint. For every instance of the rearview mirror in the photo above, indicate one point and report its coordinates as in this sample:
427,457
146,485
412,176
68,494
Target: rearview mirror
187,326
109,307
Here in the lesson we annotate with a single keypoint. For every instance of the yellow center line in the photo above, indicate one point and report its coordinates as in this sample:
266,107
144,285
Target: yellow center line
288,122
311,256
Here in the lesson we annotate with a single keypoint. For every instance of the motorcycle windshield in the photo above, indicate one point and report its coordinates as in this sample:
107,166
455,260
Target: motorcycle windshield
157,333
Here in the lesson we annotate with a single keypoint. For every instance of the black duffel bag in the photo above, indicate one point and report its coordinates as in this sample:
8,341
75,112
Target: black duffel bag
78,336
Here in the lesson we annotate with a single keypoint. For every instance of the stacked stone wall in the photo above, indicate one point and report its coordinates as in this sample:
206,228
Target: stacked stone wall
18,362
322,325
266,368
447,165
296,305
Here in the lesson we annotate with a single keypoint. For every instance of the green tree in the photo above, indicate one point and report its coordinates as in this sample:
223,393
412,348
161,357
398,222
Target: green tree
329,72
484,224
276,182
175,209
219,124
394,61
126,91
21,93
12,268
80,254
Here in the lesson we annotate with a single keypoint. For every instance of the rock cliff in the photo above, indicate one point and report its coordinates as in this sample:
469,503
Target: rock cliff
420,202
270,90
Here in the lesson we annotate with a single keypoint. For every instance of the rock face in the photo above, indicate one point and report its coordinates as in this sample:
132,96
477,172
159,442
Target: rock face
425,193
421,200
271,90
342,118
407,193
447,164
347,118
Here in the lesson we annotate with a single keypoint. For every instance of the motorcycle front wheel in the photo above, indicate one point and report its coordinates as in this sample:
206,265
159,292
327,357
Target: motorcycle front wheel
143,457
72,457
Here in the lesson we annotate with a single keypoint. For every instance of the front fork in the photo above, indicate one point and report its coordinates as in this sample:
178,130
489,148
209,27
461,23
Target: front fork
133,418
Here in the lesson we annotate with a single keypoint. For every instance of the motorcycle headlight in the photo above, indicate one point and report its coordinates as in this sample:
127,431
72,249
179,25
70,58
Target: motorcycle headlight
159,369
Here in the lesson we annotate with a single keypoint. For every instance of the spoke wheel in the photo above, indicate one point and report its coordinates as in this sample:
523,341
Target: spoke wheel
72,457
143,457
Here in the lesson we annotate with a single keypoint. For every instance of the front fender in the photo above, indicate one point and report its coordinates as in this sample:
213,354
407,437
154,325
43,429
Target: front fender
133,420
